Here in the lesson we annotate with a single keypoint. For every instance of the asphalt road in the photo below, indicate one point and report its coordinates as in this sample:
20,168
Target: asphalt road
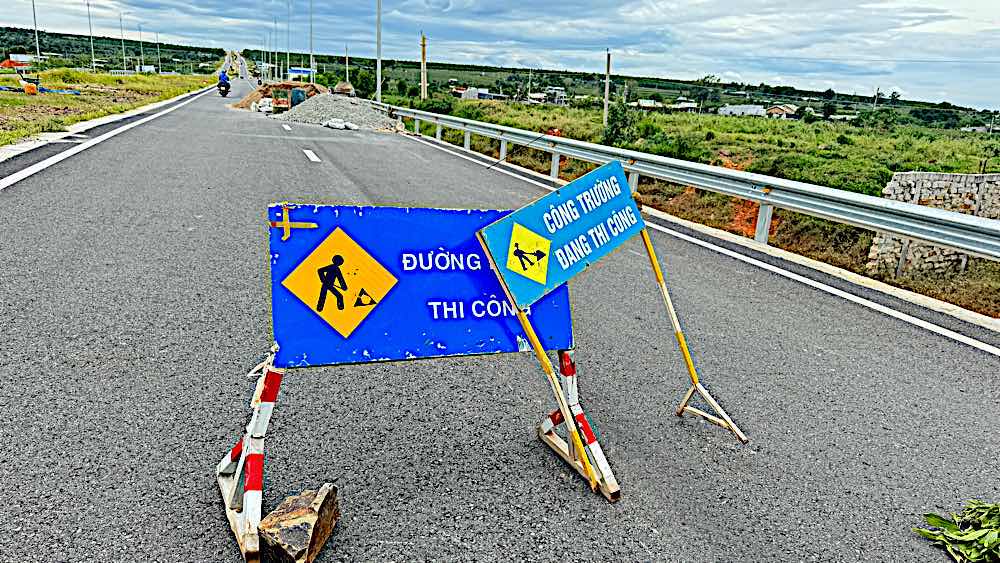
134,297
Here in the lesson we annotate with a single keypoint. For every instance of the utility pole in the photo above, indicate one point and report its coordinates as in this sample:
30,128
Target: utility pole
875,101
423,66
347,65
529,85
38,48
378,50
159,63
288,38
93,60
607,86
274,47
312,58
142,56
121,28
992,120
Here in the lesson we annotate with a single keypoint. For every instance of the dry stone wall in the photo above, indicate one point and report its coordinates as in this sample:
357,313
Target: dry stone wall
972,194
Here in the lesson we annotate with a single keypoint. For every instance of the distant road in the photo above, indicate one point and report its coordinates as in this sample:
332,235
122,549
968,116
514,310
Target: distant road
135,297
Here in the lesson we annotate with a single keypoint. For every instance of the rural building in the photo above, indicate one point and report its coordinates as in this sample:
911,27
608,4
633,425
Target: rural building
782,111
555,95
647,105
739,110
684,107
536,98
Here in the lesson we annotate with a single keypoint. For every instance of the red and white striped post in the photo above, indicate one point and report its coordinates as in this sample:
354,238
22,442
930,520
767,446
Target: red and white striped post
547,431
240,473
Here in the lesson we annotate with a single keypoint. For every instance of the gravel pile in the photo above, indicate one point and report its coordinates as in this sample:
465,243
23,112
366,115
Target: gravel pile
326,108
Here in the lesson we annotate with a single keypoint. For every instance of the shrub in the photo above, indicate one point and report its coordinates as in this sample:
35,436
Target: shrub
621,127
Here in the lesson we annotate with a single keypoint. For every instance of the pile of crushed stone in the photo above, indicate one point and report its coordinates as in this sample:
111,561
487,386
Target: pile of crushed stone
339,112
266,90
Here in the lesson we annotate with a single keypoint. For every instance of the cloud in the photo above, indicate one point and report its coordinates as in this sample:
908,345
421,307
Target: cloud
844,44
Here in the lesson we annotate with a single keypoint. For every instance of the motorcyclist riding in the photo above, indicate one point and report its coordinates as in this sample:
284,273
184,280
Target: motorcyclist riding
223,84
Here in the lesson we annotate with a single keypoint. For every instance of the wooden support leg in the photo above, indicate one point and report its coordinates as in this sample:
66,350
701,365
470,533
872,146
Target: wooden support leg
722,419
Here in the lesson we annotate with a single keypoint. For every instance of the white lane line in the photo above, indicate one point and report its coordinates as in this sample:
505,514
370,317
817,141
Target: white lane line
37,167
286,127
311,155
936,329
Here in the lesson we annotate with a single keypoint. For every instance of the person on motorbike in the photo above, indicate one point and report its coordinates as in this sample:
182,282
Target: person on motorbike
223,77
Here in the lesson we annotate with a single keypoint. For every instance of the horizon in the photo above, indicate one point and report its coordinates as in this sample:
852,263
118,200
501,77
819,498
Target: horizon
924,52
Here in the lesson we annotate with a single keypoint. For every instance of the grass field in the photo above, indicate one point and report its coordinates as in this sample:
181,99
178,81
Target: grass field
837,155
22,115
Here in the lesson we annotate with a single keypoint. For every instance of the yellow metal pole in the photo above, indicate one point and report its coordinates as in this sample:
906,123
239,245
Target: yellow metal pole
550,372
678,333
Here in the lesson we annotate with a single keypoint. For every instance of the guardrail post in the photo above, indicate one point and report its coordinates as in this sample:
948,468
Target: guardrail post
633,181
416,126
554,171
763,223
437,132
503,149
468,140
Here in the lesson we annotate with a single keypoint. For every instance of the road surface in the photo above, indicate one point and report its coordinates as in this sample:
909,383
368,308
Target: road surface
134,287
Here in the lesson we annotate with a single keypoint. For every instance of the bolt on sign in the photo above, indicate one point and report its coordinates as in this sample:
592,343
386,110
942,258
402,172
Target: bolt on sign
357,284
543,245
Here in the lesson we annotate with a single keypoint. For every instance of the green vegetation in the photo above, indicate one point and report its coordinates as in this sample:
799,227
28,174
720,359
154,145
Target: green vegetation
73,51
973,536
22,115
857,157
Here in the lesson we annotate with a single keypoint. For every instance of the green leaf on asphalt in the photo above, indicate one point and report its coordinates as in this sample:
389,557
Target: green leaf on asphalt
940,522
971,536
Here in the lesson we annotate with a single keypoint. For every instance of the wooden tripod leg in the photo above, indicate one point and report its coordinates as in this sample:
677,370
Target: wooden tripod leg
550,373
724,421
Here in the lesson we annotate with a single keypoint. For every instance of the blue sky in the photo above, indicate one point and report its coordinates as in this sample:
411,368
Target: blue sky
849,45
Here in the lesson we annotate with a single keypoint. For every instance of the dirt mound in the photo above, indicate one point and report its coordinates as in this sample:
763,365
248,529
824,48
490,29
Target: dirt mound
265,90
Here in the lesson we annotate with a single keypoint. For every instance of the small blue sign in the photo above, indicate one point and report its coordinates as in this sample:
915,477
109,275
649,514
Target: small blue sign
543,245
356,284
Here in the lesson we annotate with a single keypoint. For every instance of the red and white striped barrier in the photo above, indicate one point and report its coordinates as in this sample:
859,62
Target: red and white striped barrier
606,481
240,472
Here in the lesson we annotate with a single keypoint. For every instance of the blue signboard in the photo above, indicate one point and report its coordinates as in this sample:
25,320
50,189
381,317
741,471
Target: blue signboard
364,284
542,245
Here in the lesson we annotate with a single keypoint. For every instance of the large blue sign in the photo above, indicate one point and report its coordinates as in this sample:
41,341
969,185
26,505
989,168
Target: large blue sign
542,245
364,284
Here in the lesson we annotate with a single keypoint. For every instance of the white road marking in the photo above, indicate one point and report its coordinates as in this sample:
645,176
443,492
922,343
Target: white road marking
311,155
936,329
37,167
286,127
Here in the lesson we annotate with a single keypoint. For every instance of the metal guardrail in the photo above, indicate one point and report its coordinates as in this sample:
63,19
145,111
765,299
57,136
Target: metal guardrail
975,235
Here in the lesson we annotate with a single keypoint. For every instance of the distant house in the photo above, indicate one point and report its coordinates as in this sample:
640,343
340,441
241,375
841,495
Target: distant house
843,117
647,105
782,111
683,107
536,98
740,110
556,95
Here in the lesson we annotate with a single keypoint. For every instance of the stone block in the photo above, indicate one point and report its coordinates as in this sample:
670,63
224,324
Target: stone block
296,531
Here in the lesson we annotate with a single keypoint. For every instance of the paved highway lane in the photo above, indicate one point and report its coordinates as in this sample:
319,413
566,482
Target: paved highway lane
134,298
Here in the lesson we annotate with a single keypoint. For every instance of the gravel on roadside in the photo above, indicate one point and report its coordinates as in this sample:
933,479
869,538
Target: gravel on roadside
323,108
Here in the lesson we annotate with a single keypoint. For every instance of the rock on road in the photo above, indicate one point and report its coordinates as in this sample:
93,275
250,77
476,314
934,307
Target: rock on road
134,297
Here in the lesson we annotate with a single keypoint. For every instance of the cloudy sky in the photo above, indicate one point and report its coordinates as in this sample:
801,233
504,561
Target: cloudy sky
925,49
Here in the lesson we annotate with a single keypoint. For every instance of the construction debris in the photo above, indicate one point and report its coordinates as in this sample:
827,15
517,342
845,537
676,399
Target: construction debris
296,531
266,91
331,110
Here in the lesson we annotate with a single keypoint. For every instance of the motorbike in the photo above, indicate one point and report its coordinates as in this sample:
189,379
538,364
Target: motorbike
223,88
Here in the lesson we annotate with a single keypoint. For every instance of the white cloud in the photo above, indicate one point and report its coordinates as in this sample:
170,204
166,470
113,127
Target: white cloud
844,44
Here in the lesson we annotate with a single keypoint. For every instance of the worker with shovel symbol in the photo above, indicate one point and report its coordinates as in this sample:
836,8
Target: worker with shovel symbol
531,258
329,276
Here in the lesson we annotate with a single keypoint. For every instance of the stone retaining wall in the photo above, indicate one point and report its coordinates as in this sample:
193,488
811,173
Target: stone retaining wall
972,194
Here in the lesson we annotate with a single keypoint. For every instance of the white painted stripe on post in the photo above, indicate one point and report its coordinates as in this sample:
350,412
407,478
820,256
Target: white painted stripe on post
936,329
311,155
37,167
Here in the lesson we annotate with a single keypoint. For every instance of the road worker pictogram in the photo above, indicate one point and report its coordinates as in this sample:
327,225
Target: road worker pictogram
340,281
528,254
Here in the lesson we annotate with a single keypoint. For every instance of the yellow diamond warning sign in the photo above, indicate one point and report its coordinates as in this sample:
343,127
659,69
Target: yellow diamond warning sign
528,254
340,282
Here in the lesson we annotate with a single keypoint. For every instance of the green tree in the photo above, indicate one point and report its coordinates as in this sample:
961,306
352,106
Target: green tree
364,84
829,109
401,87
894,98
621,125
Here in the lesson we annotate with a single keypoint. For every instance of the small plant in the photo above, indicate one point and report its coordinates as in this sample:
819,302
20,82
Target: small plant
973,536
